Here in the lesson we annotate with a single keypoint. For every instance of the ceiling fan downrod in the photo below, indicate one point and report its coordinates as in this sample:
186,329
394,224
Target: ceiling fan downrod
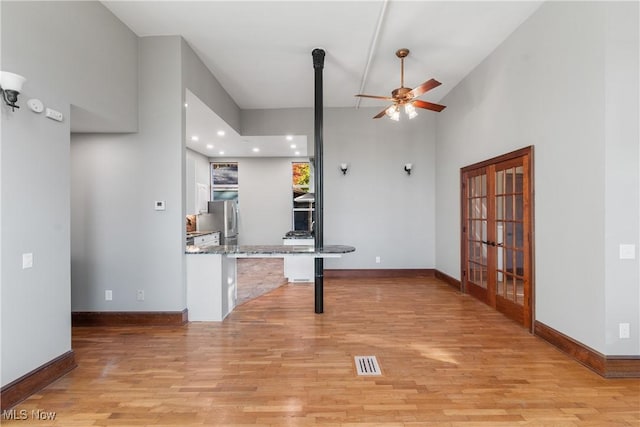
402,53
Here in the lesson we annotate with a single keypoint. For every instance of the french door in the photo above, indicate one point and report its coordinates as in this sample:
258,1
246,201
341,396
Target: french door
497,233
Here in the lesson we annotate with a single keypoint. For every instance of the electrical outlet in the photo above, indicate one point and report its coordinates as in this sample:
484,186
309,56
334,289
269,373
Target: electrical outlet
108,295
377,260
140,295
27,260
627,251
624,330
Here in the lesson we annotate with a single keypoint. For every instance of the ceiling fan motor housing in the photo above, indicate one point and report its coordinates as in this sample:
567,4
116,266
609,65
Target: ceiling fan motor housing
401,94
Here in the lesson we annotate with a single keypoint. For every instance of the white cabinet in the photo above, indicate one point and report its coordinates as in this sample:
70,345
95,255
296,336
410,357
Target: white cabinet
197,177
202,198
299,269
211,239
212,292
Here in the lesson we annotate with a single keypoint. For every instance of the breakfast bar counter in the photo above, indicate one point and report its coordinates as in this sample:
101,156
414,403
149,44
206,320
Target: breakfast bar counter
271,251
212,289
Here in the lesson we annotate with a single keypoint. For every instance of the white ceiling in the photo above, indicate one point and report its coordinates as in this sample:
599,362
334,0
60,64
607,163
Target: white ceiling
260,51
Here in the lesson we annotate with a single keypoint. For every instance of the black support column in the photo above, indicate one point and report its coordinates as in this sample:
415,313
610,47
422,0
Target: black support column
318,65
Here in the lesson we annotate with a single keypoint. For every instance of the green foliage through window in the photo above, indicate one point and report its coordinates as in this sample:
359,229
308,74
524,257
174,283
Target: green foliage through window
301,174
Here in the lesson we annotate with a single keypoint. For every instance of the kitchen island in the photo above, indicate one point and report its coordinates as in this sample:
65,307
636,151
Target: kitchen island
212,276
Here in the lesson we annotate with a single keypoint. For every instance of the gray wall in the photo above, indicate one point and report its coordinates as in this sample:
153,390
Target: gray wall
253,191
120,242
35,219
283,121
622,172
57,47
264,199
198,79
65,68
376,207
548,86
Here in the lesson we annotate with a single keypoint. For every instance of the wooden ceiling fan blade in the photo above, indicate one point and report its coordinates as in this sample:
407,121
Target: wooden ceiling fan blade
386,98
381,113
424,87
428,105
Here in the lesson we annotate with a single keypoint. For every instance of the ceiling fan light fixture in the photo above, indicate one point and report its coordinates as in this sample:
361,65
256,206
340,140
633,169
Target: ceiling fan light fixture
389,111
410,110
393,112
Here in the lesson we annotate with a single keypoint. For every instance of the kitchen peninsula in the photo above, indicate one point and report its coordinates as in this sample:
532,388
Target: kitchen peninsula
212,278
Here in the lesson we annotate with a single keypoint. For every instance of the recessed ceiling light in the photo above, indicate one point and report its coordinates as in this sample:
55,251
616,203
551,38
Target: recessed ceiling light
186,105
195,138
293,145
297,153
221,152
220,133
289,138
255,149
210,146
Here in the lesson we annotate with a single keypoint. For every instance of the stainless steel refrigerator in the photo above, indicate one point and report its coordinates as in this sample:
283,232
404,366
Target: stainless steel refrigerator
222,216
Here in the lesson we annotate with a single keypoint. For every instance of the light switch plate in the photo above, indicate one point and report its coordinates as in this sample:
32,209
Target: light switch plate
27,260
54,115
627,251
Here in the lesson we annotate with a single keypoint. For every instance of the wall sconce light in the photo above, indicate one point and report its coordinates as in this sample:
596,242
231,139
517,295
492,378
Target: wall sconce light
344,167
10,86
407,168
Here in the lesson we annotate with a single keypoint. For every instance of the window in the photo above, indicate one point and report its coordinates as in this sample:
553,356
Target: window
303,200
224,181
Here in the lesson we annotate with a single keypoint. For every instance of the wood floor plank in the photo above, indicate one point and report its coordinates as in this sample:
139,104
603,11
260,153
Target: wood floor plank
446,360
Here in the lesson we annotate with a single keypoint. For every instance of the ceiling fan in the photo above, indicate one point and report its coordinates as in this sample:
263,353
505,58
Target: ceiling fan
406,97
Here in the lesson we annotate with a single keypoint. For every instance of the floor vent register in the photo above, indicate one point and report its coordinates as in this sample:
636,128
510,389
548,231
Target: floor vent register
367,365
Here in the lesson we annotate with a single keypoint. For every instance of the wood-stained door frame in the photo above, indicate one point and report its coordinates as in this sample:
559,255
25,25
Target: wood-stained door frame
529,228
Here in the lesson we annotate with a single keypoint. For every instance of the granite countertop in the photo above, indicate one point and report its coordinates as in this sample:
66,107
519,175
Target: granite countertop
298,234
199,233
269,250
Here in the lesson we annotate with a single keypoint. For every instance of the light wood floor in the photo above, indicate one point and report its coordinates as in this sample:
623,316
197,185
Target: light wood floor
446,358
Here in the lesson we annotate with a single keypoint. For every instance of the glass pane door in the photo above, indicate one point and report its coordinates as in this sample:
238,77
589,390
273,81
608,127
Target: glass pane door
497,232
477,227
509,223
